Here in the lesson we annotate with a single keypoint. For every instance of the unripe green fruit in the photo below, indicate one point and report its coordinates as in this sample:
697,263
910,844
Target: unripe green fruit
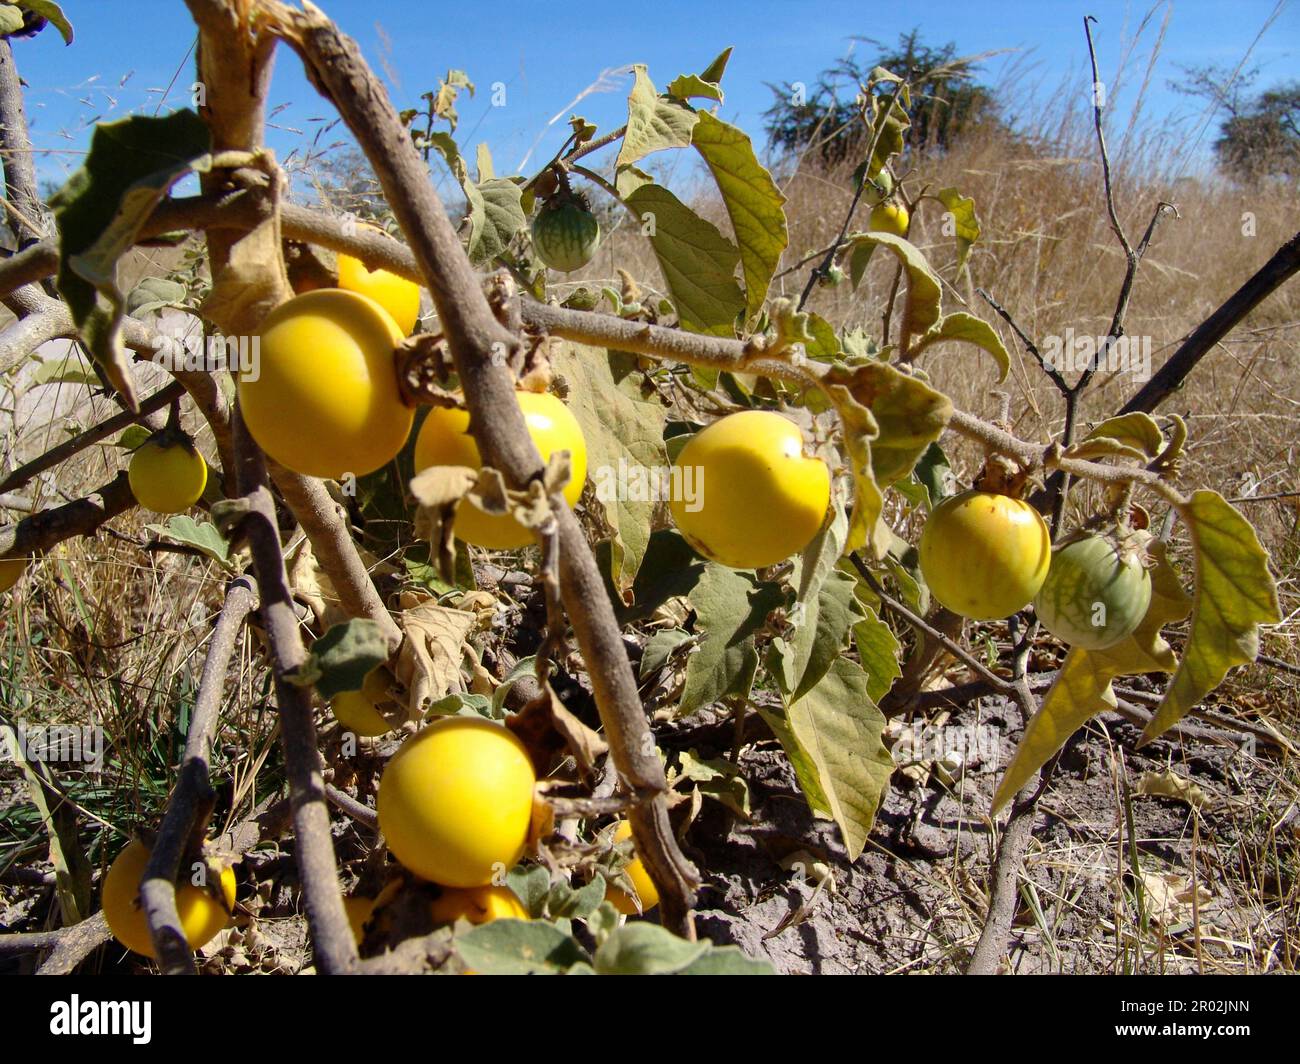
1094,595
565,235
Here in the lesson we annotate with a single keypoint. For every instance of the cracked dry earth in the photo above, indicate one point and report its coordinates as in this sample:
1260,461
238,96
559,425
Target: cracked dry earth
914,901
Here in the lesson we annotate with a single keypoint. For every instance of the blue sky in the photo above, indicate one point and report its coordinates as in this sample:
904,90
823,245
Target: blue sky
128,51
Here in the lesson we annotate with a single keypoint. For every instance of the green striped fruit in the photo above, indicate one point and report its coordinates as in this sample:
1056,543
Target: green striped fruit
1095,594
565,234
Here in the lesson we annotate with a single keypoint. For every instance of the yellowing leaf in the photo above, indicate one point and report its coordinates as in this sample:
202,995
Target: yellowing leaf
966,227
890,419
971,330
1234,595
921,310
754,203
654,122
1137,430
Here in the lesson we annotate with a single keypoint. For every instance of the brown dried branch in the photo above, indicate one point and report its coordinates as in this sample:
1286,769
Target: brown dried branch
190,805
336,67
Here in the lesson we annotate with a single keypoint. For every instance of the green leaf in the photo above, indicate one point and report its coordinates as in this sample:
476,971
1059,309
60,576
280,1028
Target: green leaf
1082,688
463,705
639,948
579,904
669,569
447,147
878,651
971,330
659,647
754,203
965,226
1234,595
698,263
495,216
518,947
532,886
717,778
154,293
654,122
931,473
134,436
625,446
204,536
129,169
730,606
825,610
921,309
341,659
840,728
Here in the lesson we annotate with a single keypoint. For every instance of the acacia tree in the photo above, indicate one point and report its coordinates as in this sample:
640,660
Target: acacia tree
815,630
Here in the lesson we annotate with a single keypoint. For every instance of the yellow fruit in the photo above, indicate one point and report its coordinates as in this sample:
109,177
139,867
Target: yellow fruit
890,218
202,915
748,495
478,905
10,571
645,886
167,478
985,555
397,295
356,711
456,800
325,400
444,439
359,910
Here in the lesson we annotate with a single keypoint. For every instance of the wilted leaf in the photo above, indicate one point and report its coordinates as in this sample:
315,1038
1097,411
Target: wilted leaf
430,657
